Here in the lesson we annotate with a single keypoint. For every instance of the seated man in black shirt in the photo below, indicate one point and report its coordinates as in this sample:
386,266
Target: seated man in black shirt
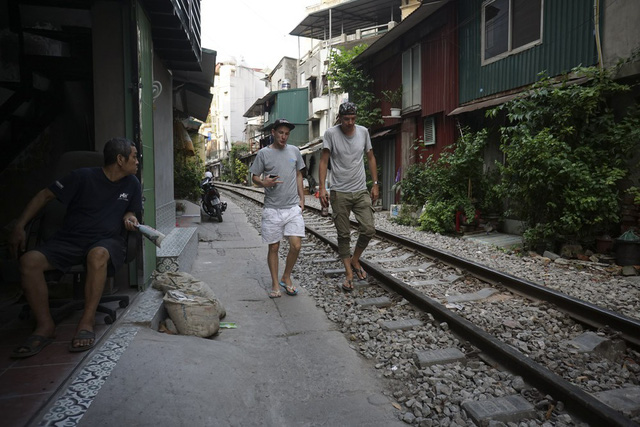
100,202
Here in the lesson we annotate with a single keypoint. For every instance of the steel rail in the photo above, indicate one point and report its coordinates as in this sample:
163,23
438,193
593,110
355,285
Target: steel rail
579,310
577,400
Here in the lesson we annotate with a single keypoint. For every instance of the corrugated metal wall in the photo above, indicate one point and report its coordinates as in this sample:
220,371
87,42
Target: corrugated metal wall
440,67
567,41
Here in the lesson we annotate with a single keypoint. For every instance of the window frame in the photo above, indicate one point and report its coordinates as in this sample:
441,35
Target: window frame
415,88
510,51
432,126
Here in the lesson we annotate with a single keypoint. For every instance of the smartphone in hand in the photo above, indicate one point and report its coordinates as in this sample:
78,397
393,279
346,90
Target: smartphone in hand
273,176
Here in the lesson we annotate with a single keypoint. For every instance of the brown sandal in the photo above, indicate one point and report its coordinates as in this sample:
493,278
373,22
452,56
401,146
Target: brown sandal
360,273
348,288
275,294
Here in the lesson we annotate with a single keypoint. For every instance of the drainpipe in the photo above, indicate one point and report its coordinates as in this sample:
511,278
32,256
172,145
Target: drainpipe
328,67
596,20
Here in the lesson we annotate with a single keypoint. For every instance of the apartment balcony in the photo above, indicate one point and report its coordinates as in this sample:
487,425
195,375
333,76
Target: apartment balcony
176,32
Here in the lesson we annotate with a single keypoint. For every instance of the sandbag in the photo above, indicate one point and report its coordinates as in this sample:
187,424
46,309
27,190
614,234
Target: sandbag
178,280
192,315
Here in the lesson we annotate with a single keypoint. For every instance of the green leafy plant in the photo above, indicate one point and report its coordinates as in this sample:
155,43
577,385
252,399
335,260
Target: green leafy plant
188,171
566,152
438,217
344,77
442,185
234,170
406,216
393,97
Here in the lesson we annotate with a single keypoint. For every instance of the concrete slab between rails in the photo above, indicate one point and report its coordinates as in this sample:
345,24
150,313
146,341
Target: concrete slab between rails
419,268
374,302
590,342
625,400
501,240
381,251
473,296
405,324
394,259
509,409
313,252
325,260
441,356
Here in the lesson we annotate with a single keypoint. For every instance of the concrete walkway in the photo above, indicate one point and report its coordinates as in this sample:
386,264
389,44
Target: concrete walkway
284,365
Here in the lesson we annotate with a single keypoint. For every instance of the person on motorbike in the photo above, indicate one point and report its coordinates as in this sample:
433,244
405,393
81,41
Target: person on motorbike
282,166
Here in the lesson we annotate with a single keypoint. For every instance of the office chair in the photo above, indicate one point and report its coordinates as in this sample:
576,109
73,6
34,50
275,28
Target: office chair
49,220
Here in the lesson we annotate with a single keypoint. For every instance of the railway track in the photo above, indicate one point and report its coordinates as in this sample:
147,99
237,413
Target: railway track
424,276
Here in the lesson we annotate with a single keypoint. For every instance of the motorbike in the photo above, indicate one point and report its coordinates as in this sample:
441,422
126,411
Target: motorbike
211,203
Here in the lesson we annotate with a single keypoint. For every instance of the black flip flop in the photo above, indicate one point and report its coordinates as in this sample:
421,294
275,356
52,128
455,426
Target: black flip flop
32,349
359,272
346,288
82,335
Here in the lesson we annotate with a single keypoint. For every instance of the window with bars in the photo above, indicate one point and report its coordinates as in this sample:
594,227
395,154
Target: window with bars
510,26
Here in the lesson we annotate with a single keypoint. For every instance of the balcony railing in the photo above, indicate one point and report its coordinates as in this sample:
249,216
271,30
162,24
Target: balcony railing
176,31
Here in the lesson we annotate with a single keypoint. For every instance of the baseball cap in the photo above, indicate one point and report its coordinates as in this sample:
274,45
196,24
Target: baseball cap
347,109
283,122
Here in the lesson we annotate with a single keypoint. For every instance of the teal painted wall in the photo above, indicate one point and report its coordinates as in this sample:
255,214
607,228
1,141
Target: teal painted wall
293,105
567,41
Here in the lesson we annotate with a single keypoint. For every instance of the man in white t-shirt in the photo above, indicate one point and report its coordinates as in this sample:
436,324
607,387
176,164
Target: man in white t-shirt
346,144
282,166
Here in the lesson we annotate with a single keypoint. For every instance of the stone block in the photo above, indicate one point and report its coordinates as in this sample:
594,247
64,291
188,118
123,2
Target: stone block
590,342
452,278
334,272
394,259
374,302
410,268
474,296
430,282
625,400
509,409
325,260
381,251
439,357
396,325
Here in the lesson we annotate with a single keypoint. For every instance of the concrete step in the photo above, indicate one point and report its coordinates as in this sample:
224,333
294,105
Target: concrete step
179,250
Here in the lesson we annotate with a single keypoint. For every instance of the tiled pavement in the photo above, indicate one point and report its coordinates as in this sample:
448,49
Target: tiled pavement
27,385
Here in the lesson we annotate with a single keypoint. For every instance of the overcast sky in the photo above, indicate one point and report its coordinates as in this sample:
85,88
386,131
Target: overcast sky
256,31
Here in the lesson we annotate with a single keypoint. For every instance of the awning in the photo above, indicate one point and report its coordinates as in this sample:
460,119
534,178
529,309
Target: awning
477,105
192,89
311,147
383,133
347,17
483,104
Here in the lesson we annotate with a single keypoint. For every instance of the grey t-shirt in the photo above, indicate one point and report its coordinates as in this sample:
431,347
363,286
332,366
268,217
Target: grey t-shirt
285,163
347,158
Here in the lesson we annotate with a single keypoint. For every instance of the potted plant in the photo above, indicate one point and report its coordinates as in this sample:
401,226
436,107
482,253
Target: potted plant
394,97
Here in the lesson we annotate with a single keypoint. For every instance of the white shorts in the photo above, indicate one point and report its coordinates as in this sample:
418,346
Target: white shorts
279,223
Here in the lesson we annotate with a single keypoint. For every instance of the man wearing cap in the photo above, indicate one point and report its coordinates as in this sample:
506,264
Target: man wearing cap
345,144
282,166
